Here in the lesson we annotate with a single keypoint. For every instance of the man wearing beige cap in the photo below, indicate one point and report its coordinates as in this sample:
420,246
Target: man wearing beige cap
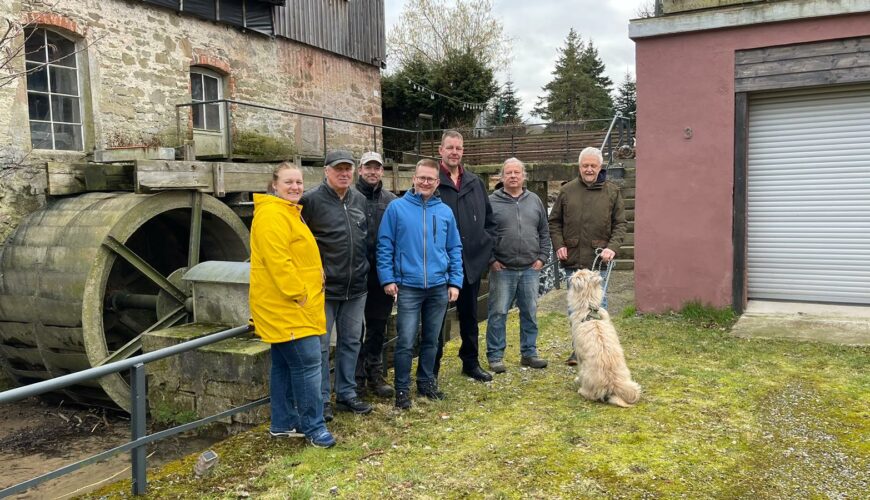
379,305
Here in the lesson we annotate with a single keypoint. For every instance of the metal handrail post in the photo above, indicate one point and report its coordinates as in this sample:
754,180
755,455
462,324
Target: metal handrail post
137,428
324,137
227,112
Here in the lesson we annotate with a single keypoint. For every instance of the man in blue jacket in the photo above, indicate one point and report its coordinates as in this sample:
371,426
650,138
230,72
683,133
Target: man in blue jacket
419,263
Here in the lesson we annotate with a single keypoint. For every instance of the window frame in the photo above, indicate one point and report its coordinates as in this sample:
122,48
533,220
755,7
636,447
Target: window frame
48,65
203,73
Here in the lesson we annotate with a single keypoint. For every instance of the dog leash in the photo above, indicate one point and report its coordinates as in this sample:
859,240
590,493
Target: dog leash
598,265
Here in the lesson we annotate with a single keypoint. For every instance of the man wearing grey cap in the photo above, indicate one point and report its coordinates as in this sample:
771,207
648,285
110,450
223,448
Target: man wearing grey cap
369,367
336,215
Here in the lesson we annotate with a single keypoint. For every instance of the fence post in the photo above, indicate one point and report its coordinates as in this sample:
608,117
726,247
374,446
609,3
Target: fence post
374,138
556,277
567,144
228,113
137,427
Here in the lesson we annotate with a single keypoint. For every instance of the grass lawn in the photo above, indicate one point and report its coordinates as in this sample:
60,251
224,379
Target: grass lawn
721,417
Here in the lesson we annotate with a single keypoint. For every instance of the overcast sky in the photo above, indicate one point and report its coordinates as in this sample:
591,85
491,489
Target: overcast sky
539,27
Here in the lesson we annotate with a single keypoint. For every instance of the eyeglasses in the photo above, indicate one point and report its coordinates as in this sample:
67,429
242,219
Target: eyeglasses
426,180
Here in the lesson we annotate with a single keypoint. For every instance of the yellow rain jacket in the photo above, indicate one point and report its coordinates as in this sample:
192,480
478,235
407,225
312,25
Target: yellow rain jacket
286,272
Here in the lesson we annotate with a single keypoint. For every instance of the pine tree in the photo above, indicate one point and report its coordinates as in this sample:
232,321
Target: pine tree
579,89
626,99
506,108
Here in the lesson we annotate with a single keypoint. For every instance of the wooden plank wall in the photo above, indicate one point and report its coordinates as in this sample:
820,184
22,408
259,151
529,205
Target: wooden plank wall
353,29
803,65
528,148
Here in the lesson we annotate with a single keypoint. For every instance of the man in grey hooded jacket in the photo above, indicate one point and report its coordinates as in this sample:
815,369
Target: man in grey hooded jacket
522,248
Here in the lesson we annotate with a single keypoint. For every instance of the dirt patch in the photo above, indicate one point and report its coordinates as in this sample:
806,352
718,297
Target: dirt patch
36,428
620,294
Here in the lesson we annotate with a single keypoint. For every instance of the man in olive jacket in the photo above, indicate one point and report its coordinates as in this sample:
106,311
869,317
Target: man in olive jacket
588,215
336,215
466,195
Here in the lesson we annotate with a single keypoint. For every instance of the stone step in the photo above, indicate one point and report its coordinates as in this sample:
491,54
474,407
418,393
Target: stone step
629,216
624,264
627,192
629,203
626,252
631,226
629,239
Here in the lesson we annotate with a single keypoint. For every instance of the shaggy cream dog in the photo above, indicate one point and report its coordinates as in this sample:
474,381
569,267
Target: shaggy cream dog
601,374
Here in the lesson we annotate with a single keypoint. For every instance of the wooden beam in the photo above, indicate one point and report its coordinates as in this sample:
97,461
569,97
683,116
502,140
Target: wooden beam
72,178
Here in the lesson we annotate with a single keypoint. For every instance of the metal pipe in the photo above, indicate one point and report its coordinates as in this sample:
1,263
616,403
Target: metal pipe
57,383
137,427
124,300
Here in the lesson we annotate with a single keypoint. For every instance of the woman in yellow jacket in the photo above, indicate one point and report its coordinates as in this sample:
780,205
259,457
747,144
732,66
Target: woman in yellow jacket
287,305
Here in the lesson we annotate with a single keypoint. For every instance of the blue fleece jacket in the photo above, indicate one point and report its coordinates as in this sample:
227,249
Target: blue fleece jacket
419,244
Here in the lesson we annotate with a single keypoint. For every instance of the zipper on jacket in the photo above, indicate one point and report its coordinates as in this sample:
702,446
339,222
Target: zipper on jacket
425,274
350,235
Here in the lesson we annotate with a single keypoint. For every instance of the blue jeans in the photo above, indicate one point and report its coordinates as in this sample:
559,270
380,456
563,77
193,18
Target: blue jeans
347,316
295,387
504,286
431,303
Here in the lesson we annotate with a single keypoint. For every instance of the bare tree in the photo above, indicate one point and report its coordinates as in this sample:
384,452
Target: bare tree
647,9
432,29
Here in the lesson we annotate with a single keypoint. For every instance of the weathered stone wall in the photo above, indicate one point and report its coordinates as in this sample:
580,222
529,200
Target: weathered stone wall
135,61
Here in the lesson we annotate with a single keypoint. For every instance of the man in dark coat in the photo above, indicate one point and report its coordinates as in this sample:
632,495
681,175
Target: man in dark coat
379,305
466,195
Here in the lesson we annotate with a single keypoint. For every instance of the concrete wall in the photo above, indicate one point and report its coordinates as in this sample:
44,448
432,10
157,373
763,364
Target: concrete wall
136,60
685,162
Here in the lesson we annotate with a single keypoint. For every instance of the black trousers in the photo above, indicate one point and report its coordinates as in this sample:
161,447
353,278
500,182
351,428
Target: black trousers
466,310
378,308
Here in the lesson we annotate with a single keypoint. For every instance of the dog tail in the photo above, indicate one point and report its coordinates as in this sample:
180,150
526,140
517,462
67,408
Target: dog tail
625,394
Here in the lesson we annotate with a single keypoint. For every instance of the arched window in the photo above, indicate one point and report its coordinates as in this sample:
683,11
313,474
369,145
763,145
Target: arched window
206,85
53,90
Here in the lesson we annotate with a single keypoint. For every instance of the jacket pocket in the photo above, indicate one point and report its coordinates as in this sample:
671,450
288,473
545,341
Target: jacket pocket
572,242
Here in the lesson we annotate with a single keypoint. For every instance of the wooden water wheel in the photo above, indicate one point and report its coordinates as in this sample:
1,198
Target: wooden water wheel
83,278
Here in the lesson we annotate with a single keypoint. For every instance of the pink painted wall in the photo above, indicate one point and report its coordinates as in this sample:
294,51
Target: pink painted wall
683,225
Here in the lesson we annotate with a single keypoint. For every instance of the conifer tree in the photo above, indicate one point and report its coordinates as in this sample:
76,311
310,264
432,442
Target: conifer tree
579,89
506,109
626,99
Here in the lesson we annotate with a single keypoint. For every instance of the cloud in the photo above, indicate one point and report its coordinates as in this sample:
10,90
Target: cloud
538,29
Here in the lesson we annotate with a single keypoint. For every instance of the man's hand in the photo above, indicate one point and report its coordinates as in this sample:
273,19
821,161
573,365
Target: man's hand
607,255
496,266
392,290
538,265
452,294
562,253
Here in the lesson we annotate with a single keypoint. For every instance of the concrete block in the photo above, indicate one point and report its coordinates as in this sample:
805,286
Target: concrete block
133,153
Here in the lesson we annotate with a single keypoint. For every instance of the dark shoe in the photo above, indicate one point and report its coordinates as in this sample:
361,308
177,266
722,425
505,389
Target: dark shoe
478,373
322,440
497,366
286,434
355,405
403,401
430,390
572,361
533,362
327,412
361,389
379,386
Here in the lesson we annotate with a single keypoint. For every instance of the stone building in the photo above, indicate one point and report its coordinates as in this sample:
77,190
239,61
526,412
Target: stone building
85,75
753,167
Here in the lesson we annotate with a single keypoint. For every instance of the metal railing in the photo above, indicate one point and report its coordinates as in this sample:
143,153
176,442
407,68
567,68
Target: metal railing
138,436
229,111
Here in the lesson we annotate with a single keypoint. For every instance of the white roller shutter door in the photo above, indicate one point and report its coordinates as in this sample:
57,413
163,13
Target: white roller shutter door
808,196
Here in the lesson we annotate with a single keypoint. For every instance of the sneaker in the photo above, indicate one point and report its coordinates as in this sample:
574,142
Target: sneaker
355,405
430,390
533,362
403,401
572,360
379,386
497,366
327,412
322,440
286,434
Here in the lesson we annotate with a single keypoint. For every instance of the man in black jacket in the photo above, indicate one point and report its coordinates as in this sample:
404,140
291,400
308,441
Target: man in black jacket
335,213
466,195
369,366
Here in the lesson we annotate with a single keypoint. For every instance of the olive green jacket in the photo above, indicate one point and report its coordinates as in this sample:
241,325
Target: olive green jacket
585,218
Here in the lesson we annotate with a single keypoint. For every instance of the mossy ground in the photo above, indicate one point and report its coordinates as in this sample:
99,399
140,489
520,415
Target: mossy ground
721,417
